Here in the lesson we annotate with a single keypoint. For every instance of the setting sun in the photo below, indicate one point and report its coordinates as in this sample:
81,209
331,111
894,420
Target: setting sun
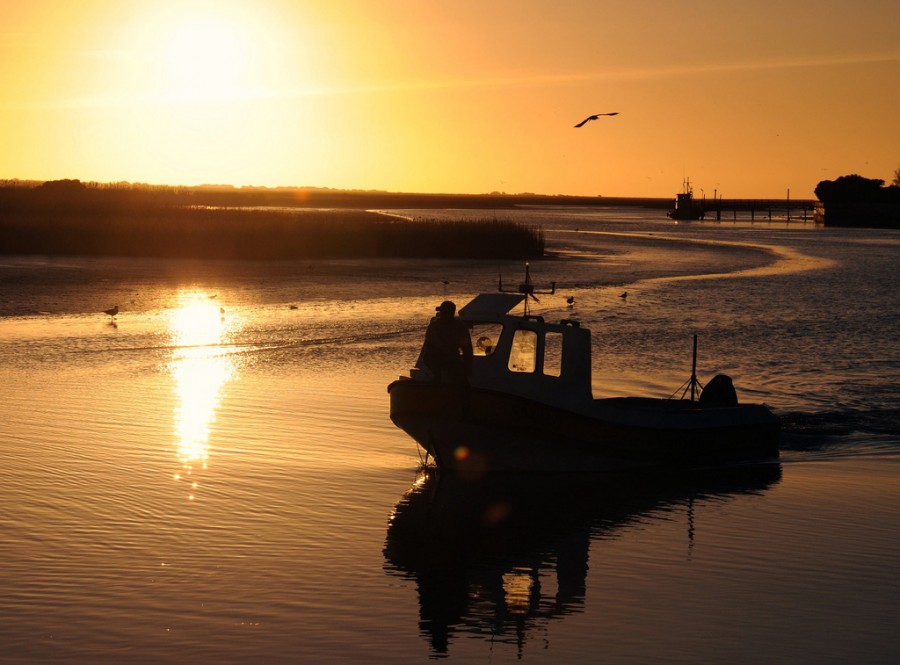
206,59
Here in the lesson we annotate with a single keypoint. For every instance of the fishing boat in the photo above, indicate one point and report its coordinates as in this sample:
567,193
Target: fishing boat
686,207
527,404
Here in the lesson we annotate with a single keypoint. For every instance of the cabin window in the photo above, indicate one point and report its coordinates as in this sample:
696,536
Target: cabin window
485,337
553,353
524,351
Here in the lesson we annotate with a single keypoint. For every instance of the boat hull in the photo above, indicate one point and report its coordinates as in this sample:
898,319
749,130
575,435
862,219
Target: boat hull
482,430
686,215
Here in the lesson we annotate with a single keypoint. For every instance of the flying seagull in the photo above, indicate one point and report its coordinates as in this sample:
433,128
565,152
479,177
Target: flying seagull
594,117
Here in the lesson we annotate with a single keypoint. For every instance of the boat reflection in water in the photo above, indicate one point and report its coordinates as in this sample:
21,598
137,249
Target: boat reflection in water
484,553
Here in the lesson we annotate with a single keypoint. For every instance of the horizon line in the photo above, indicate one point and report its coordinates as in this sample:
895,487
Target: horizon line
386,192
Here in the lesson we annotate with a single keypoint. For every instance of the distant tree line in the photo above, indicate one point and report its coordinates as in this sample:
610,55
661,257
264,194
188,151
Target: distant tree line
67,217
74,194
855,188
104,194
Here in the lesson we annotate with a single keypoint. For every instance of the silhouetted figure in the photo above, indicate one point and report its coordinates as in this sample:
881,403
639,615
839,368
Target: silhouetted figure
594,117
448,346
112,311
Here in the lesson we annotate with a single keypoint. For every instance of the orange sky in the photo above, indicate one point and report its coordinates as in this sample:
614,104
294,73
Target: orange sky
747,98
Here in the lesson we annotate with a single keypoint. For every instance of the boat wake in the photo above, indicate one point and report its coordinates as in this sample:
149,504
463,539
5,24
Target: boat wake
842,433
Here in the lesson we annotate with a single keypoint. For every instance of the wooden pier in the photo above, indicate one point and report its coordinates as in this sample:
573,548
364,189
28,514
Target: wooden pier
719,209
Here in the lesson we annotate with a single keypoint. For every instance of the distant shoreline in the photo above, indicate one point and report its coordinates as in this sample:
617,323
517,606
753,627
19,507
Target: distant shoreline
321,197
71,218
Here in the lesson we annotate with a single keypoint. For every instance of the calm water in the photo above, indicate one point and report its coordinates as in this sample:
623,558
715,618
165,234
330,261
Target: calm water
214,478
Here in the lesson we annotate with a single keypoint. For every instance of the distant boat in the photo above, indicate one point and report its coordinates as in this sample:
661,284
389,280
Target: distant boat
686,207
528,406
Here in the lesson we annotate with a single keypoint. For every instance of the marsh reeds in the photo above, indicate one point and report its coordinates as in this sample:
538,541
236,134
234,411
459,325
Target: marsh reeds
79,221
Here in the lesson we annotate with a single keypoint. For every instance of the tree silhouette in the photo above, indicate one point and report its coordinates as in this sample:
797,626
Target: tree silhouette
849,188
852,200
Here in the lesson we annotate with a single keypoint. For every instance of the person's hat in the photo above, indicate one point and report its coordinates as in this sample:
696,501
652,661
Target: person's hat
446,306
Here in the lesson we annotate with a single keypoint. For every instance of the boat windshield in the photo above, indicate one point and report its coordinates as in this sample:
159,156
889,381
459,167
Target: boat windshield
524,351
485,337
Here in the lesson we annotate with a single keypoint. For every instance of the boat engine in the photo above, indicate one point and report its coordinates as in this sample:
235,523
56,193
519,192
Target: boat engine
719,392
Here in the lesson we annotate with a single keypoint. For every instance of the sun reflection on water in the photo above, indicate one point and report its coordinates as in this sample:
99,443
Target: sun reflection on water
198,329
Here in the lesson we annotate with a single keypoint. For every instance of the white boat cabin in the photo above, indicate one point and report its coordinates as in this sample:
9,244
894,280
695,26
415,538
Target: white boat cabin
524,355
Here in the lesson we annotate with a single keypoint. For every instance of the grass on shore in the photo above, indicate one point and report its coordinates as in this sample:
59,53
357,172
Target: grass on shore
230,233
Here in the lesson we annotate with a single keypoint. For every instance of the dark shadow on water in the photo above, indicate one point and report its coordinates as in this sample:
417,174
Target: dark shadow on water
482,552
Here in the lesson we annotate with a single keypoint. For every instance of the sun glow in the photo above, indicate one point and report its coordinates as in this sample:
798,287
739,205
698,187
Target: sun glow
207,92
206,59
203,53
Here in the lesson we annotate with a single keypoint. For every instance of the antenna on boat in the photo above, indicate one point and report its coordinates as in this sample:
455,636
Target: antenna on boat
693,384
526,288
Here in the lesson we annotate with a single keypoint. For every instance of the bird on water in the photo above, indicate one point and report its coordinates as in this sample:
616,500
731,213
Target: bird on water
596,116
112,311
